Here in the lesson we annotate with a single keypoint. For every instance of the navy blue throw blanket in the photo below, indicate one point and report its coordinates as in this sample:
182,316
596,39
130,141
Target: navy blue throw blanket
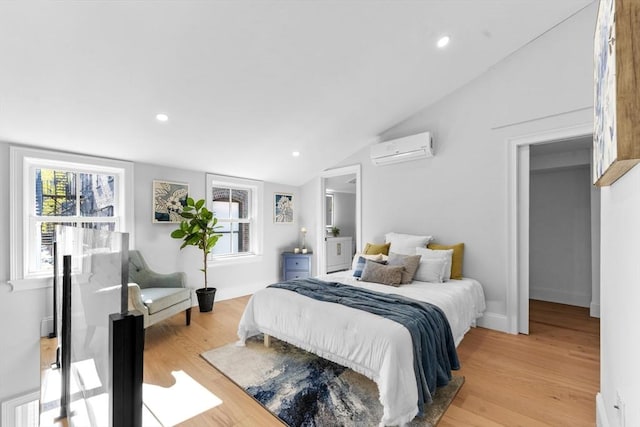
434,351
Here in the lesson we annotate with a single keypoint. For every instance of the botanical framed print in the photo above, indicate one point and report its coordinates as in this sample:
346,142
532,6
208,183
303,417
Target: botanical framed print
283,208
604,137
616,136
168,200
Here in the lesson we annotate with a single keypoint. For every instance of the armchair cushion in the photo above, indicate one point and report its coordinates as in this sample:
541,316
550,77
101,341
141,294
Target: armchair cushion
140,273
158,299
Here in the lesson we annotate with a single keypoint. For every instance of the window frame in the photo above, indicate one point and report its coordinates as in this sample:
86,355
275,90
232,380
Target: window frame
256,228
23,163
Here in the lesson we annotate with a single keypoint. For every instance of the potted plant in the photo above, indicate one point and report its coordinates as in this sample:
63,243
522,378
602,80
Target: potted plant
198,228
335,231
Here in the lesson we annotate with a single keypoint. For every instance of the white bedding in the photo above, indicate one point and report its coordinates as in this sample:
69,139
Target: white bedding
376,347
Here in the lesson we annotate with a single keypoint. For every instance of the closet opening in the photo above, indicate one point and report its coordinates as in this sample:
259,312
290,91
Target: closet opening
564,229
554,225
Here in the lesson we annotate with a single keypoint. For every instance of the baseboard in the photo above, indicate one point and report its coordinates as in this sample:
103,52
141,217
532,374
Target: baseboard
560,297
594,310
495,321
239,291
46,326
601,412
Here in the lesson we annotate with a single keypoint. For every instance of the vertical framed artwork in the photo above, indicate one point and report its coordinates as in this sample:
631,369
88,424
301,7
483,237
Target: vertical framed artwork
616,135
283,208
168,200
604,134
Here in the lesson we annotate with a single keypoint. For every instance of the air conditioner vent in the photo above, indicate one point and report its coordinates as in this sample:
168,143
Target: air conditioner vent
414,147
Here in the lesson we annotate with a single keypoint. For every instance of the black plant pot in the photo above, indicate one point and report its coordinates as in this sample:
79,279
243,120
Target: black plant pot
205,299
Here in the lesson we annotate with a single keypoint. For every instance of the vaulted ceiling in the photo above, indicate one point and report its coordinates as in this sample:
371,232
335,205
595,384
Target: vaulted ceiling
244,83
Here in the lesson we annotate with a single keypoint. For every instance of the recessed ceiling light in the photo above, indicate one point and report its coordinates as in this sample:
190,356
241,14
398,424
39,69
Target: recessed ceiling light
161,117
443,41
296,154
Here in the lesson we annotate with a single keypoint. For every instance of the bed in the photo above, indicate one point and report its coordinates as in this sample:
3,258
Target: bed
376,347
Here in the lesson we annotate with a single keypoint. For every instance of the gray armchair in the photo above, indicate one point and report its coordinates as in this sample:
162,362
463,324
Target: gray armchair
157,296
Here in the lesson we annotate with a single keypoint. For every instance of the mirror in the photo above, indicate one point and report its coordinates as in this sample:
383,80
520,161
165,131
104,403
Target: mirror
329,212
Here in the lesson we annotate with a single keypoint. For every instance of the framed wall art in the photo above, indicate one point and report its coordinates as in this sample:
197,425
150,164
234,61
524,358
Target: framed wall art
616,136
168,200
283,208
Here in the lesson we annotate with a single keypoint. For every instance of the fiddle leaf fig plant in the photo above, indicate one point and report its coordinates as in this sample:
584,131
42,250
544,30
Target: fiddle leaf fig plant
198,228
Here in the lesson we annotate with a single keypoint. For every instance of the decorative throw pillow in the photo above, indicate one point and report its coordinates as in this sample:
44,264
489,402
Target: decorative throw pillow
446,254
356,257
406,244
379,273
374,249
362,260
409,262
456,259
431,270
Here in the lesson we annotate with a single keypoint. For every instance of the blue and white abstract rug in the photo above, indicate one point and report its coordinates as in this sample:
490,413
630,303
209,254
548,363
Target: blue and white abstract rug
303,389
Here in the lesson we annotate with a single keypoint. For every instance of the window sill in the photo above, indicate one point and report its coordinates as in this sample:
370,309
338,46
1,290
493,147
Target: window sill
42,282
233,260
29,284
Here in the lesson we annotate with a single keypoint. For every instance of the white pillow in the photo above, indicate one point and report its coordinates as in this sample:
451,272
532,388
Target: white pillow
405,244
446,254
431,270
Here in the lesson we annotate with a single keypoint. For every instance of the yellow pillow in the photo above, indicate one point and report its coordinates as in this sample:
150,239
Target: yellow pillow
456,259
373,249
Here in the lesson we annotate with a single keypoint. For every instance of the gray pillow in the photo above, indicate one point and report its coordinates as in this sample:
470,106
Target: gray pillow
409,262
379,273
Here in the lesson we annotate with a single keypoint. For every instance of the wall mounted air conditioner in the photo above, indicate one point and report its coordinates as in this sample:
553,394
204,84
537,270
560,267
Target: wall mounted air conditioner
414,147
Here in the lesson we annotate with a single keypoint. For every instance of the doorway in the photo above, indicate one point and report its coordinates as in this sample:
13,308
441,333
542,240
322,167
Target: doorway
560,232
519,225
340,194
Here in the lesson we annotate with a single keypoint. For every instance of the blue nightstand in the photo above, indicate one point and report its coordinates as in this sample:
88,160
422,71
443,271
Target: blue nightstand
296,266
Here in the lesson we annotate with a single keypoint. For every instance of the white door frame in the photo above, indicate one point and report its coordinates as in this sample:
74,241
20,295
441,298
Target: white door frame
321,232
518,213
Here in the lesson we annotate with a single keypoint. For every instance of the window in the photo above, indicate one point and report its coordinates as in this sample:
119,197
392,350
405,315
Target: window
50,188
67,197
236,204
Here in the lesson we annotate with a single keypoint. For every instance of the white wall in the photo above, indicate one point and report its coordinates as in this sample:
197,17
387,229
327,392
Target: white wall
560,236
163,253
460,195
310,217
20,312
620,298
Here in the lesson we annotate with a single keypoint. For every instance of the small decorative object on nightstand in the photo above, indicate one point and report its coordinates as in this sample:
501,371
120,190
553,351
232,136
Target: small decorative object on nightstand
296,265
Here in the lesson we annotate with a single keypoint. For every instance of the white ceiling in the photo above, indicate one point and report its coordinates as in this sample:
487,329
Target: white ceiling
244,83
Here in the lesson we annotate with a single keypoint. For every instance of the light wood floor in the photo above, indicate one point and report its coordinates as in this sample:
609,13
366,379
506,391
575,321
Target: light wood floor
548,378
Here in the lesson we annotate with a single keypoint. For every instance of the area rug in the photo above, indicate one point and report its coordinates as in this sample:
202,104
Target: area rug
303,389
